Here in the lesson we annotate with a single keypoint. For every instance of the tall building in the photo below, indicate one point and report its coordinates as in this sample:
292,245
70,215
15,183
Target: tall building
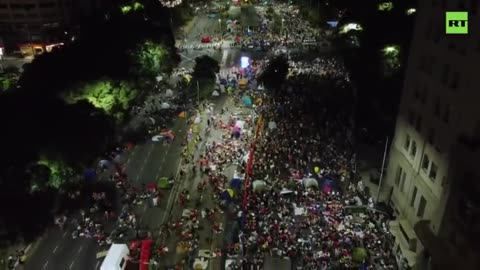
30,17
433,178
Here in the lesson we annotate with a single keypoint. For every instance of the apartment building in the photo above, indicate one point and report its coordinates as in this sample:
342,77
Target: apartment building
30,17
433,162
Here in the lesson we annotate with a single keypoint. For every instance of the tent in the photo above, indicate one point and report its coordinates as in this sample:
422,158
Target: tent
215,93
247,101
310,182
227,194
235,183
163,183
259,185
116,257
164,106
169,93
197,120
272,125
243,83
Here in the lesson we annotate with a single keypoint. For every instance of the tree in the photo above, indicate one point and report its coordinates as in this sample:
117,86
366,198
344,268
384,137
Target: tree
8,78
275,73
47,173
205,68
111,97
150,59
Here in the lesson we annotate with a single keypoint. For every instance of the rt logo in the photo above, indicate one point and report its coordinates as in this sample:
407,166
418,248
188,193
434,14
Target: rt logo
456,22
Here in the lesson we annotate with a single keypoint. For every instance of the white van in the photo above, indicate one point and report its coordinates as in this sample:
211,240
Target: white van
116,258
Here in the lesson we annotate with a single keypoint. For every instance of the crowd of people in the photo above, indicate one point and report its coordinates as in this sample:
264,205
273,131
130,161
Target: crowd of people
293,32
307,210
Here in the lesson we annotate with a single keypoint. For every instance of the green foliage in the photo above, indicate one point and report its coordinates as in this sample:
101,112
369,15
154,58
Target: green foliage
48,173
106,95
8,78
391,60
135,6
150,59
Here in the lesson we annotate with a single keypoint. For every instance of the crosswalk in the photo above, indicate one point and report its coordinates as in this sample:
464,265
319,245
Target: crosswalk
214,45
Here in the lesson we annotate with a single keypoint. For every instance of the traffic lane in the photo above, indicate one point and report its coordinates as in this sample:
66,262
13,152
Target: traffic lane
65,255
164,153
86,257
44,249
137,157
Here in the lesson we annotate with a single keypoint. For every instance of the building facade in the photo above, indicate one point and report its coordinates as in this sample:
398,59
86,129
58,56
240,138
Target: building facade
432,160
30,17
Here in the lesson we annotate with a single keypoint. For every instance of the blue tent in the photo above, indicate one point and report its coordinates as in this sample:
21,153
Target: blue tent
235,183
90,174
247,101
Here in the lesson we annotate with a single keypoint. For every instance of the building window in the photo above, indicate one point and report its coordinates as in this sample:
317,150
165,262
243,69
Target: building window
418,123
433,172
445,73
402,182
398,175
407,142
446,114
411,118
414,196
421,207
413,150
425,162
454,82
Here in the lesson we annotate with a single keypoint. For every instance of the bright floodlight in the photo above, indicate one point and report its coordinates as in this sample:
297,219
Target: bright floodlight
349,27
244,62
390,49
170,3
410,11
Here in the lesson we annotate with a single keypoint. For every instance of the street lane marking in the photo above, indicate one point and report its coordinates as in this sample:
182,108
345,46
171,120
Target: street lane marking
55,249
64,234
80,249
97,265
45,265
71,265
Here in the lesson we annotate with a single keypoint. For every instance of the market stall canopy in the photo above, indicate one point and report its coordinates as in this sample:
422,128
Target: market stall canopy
164,106
169,93
247,101
215,93
310,182
272,125
163,183
259,185
197,120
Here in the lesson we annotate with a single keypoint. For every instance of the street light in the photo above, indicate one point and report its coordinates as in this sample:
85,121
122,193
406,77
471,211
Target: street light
220,23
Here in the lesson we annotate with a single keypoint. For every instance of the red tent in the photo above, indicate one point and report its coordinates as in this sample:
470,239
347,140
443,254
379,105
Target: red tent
145,254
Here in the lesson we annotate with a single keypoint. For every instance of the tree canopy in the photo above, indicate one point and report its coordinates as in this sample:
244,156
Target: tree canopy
205,67
275,73
150,59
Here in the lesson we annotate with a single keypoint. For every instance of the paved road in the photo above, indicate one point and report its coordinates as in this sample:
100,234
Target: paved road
145,164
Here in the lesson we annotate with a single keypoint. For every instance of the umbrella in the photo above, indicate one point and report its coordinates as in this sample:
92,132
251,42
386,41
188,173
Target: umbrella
197,120
169,93
272,125
247,101
163,183
258,185
164,106
359,255
286,191
235,183
215,93
310,182
226,195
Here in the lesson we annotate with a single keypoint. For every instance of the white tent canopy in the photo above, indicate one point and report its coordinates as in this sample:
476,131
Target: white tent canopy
215,93
259,185
164,106
116,254
272,125
310,182
197,120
